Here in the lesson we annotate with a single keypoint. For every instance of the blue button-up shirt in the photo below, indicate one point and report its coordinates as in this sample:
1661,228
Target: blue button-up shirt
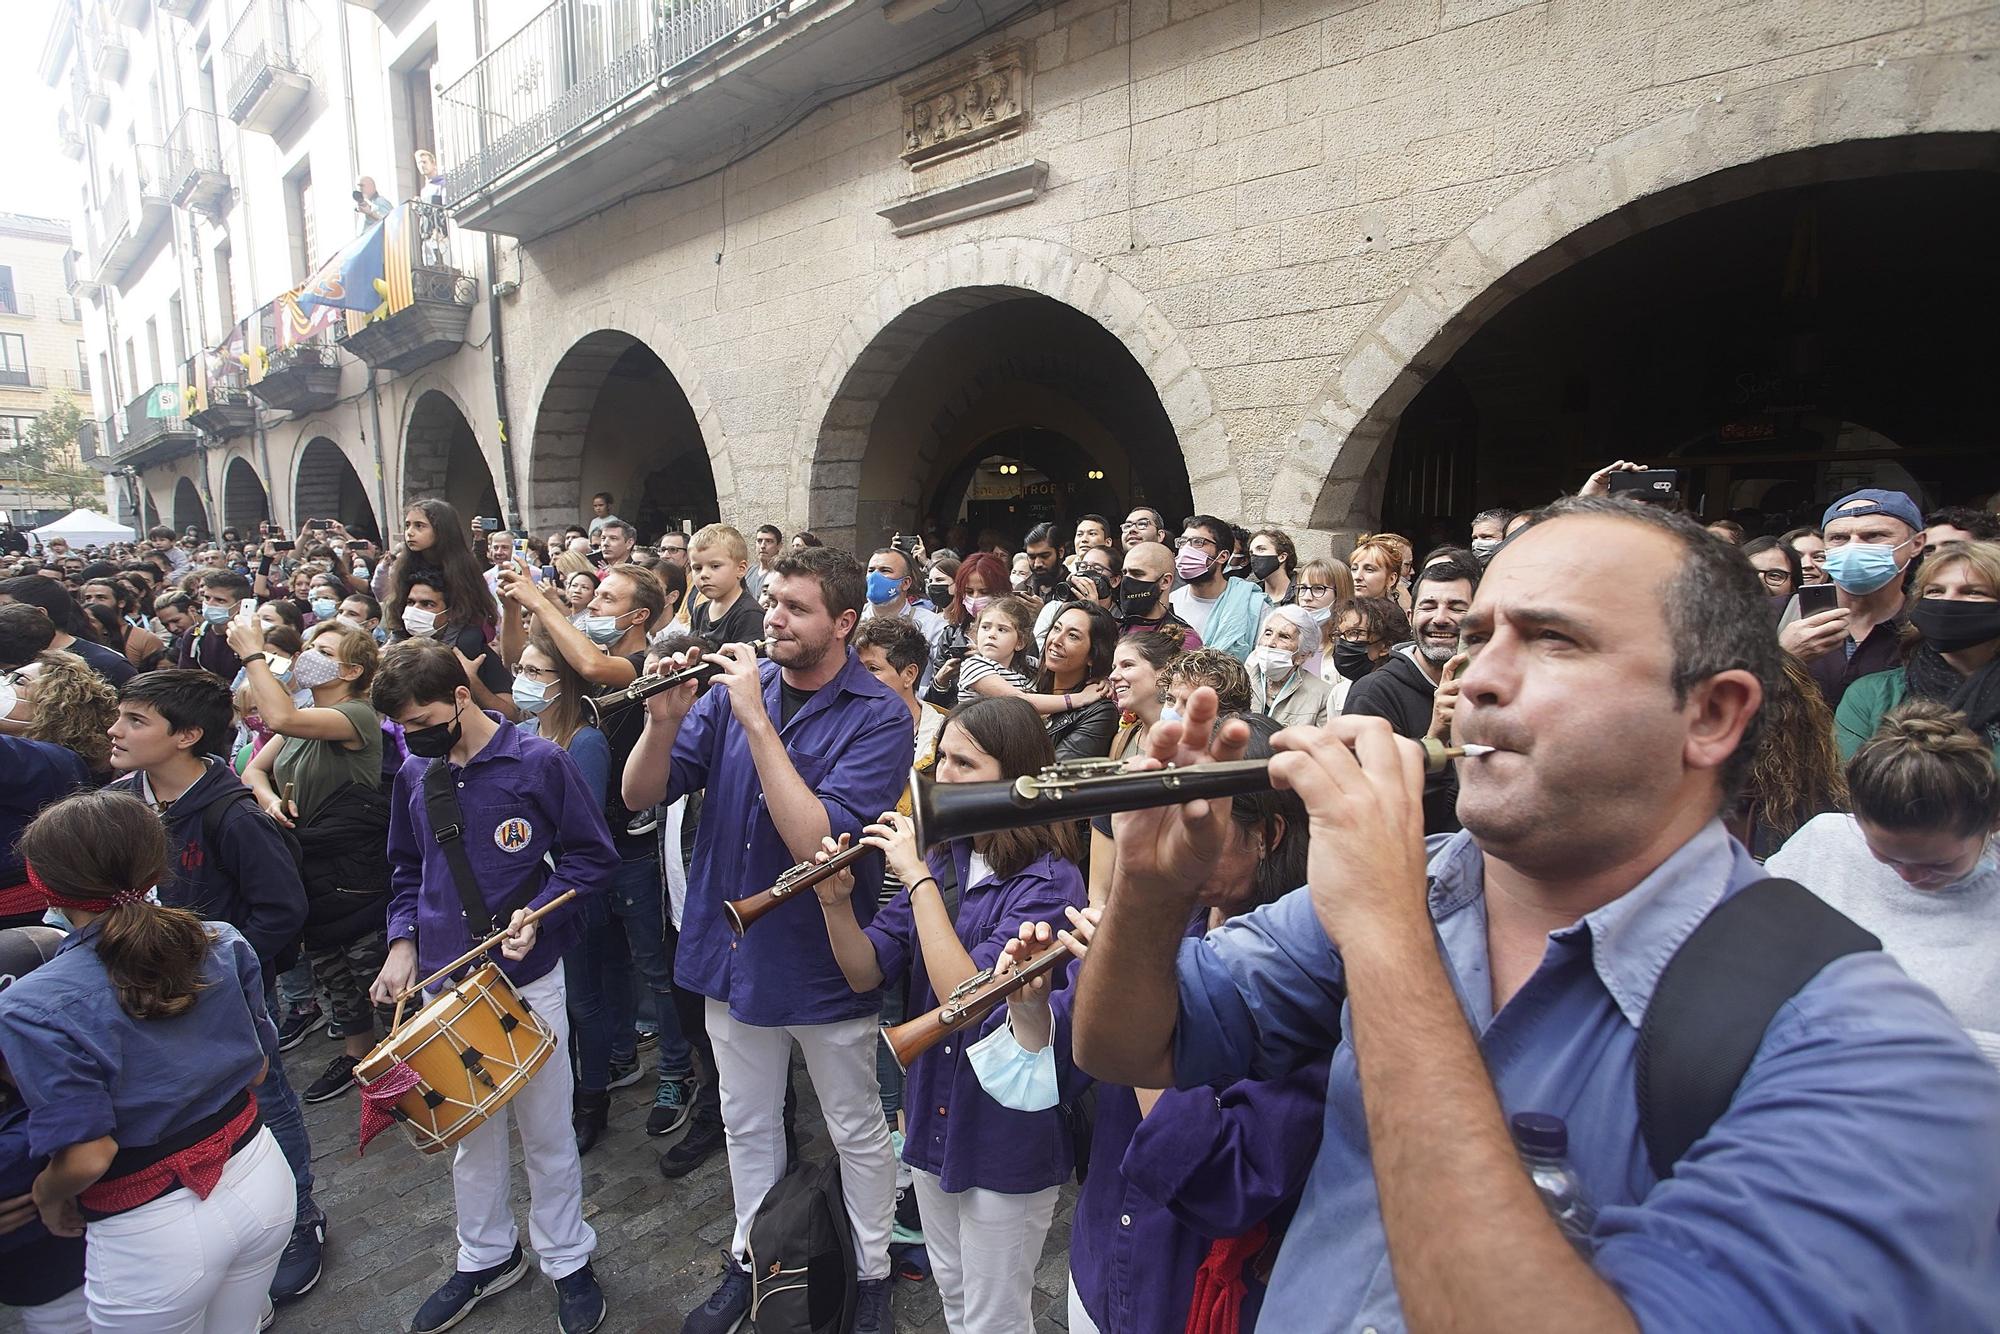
521,800
851,743
87,1069
1854,1183
953,1129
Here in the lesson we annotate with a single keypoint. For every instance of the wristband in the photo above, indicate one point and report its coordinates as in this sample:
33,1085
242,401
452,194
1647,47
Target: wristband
258,656
927,880
1067,706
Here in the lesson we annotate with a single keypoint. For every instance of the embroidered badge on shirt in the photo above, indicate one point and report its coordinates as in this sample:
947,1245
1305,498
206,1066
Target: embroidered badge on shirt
513,835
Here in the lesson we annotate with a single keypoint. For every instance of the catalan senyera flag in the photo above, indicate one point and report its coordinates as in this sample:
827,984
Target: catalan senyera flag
399,251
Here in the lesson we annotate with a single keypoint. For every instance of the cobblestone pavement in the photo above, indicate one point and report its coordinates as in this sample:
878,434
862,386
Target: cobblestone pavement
659,1242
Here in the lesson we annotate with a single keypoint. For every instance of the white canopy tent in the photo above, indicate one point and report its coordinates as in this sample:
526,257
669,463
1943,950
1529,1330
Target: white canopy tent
84,528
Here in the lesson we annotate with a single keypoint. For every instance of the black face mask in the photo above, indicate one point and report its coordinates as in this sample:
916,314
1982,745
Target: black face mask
1948,625
1137,598
1263,567
436,740
1352,660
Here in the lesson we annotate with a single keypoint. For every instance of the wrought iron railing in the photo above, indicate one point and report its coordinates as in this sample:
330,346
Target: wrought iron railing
17,303
268,35
24,377
194,146
150,171
157,412
568,66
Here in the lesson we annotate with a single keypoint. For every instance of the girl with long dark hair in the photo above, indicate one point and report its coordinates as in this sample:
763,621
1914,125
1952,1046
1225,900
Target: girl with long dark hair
437,549
137,1049
986,1177
1077,653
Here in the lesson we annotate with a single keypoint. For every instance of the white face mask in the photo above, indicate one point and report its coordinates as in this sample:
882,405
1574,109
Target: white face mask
1273,662
313,668
418,621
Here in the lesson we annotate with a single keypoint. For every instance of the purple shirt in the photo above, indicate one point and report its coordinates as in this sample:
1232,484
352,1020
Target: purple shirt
522,798
87,1069
851,743
1208,1163
953,1129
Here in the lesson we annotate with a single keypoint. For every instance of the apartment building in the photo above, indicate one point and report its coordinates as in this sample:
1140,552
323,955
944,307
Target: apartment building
43,355
1321,264
220,144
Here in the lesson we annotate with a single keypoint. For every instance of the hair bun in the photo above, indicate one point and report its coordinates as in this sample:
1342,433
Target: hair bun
1932,726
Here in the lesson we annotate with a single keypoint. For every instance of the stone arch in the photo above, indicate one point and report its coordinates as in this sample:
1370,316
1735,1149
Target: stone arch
878,344
614,416
442,458
326,485
1915,115
245,503
557,426
188,509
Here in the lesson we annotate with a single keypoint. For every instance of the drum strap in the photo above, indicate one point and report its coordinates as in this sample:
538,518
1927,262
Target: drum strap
448,828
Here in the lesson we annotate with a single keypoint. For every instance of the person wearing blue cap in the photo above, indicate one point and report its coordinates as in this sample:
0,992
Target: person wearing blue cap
1872,535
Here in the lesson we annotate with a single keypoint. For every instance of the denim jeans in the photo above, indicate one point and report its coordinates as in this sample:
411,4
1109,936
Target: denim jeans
295,987
588,966
279,1107
637,896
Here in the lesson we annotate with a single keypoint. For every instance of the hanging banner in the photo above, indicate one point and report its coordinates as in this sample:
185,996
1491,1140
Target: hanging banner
347,281
163,402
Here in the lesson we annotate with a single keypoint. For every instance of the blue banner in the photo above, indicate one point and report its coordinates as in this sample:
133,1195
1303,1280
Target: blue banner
347,281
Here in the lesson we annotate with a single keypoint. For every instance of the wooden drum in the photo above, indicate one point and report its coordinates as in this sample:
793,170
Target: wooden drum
472,1047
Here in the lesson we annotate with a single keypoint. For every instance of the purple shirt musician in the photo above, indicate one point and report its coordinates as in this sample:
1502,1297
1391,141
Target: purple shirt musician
522,799
953,1129
852,743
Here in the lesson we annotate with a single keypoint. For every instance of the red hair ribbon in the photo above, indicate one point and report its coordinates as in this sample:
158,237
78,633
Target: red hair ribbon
58,899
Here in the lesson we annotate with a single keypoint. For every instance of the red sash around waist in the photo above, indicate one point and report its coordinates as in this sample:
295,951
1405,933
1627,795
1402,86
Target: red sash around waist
198,1165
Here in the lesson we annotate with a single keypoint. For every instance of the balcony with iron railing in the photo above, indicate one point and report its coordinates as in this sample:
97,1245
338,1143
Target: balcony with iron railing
156,427
131,213
591,100
87,98
77,279
77,381
21,304
69,310
197,177
23,377
301,377
69,134
268,64
429,303
109,56
218,400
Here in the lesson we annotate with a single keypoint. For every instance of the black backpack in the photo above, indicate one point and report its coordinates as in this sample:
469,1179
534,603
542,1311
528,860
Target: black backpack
346,872
212,816
1718,995
802,1255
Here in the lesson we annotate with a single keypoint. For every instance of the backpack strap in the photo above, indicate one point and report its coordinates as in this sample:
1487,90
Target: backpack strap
1718,995
448,828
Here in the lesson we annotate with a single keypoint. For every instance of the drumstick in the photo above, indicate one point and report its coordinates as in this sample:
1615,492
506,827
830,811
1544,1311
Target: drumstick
487,944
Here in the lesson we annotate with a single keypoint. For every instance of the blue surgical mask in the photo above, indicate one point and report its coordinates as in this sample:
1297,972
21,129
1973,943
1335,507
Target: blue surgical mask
325,608
530,697
213,614
1012,1076
1169,714
883,587
603,630
1862,567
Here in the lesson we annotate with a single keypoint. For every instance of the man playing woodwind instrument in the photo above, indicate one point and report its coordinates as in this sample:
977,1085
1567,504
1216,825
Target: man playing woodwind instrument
1619,655
801,747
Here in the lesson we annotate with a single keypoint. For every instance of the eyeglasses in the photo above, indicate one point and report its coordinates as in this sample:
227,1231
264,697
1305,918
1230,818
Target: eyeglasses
1775,578
1315,590
535,673
1180,542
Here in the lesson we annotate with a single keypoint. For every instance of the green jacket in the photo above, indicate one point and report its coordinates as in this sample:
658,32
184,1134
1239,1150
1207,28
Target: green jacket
1863,706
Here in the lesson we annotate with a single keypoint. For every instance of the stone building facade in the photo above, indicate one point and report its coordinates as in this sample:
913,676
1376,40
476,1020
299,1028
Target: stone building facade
1204,252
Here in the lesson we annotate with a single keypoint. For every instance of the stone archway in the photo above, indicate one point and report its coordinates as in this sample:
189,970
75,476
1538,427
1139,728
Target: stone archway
1841,125
907,311
567,457
245,503
442,459
326,486
614,417
188,510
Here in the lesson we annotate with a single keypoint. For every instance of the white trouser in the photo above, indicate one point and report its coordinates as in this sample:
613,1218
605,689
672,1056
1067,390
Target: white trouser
1079,1319
67,1314
984,1247
185,1265
752,1065
487,1235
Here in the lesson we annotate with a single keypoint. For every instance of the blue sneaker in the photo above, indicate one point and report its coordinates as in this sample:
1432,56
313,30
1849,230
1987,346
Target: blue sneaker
462,1291
672,1102
579,1302
874,1312
726,1306
299,1263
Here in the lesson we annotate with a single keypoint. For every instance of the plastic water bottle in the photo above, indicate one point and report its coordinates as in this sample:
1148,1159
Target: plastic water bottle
1543,1143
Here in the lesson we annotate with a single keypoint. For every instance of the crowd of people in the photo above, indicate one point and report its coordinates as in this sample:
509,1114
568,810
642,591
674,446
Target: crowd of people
1354,1048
